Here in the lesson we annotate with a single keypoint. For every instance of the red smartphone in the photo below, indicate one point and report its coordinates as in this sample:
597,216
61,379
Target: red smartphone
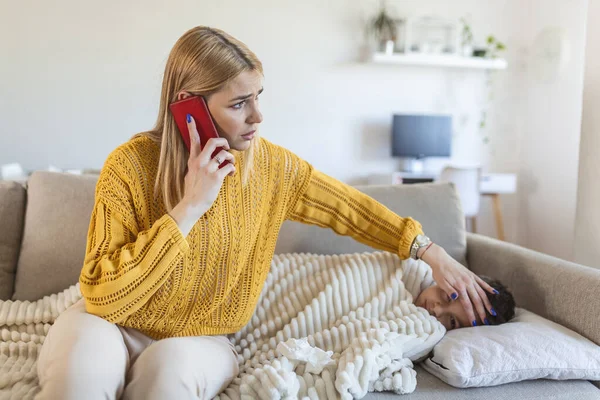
197,108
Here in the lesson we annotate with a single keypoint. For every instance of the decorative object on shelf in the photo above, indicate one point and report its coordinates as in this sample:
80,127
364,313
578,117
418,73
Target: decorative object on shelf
494,46
428,41
384,28
479,52
466,38
430,34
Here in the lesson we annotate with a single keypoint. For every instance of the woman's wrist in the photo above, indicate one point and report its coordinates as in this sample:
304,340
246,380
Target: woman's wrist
433,253
421,254
186,216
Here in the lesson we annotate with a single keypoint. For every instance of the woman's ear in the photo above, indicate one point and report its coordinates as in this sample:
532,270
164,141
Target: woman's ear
183,95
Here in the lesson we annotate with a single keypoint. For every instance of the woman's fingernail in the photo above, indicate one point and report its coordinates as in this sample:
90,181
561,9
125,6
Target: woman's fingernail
493,312
497,292
485,320
454,296
189,118
474,323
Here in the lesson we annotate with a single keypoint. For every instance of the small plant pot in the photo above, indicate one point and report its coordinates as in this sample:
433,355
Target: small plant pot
479,52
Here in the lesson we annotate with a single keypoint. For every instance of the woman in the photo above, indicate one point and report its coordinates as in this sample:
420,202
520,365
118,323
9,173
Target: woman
178,249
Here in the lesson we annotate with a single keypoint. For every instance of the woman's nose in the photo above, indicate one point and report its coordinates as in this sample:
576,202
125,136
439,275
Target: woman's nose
256,117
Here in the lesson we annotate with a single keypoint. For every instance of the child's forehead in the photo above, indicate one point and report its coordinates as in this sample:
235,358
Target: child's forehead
437,290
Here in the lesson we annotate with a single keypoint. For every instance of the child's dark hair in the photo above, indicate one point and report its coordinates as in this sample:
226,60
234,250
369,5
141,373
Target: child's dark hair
503,302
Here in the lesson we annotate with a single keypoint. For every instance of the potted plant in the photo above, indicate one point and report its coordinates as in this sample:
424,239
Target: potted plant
384,29
494,46
466,38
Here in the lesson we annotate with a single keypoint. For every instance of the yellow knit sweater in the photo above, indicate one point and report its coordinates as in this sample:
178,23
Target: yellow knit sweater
140,272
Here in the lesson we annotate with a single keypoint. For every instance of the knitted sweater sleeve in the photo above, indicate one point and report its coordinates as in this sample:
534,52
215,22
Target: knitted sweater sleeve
123,267
324,201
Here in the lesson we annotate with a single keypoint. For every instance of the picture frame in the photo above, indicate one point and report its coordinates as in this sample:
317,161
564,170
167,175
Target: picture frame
431,35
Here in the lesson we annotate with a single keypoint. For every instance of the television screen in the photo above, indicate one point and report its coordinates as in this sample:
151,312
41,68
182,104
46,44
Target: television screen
419,136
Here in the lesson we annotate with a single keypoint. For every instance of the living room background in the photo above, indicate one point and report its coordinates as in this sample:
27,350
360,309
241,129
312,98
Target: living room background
82,81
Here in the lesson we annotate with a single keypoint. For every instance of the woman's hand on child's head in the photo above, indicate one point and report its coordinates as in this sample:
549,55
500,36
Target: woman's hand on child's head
460,283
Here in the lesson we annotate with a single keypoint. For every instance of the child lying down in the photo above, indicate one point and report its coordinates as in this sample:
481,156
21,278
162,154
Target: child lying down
340,326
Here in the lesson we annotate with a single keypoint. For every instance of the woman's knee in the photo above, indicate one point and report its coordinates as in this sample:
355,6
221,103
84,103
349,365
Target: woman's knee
82,354
182,368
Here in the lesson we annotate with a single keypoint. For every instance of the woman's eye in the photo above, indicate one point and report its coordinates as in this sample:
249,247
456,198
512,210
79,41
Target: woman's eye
238,105
452,323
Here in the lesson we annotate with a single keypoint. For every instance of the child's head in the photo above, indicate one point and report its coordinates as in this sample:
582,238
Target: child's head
452,314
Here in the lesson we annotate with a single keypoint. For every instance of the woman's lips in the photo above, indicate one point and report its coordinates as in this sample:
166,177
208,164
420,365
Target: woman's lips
249,135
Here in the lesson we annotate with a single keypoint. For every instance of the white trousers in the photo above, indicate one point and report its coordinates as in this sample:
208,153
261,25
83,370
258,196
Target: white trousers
87,357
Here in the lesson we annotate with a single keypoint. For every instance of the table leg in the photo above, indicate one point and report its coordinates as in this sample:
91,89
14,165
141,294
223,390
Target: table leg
498,215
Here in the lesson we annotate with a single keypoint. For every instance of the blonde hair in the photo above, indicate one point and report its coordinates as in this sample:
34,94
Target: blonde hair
203,61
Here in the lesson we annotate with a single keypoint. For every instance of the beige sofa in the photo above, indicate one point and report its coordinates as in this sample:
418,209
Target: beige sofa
44,226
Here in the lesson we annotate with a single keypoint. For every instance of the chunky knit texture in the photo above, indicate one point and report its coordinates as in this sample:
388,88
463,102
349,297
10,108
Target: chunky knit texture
140,271
23,329
357,306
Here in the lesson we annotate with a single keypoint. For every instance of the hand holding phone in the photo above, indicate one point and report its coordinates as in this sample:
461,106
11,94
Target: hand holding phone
204,176
207,167
194,107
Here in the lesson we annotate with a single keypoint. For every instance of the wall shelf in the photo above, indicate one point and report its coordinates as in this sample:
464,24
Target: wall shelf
438,60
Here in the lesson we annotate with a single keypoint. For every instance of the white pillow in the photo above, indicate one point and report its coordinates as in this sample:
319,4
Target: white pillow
527,347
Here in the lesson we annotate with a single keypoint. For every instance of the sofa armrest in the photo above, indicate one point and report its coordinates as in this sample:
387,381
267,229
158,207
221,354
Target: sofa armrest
562,291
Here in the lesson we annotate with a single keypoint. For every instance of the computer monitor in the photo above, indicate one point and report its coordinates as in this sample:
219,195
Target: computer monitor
420,136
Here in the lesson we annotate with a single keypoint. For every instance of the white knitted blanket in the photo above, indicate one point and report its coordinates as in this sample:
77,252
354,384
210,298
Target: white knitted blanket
355,310
23,328
357,306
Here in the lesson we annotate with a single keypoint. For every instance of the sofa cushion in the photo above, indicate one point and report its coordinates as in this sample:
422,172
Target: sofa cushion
435,205
12,209
57,218
431,388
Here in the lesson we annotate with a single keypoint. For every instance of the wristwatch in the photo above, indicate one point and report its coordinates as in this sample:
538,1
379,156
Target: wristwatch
419,242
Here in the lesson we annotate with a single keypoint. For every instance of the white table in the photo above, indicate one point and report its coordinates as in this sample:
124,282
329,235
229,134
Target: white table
492,185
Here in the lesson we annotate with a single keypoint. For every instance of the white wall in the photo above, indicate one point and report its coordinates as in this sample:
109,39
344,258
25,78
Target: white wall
94,73
550,139
587,232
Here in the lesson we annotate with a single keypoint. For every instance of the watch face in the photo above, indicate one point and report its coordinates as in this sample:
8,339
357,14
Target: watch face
422,240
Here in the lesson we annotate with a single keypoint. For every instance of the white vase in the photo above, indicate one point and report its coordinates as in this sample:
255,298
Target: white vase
467,50
389,47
